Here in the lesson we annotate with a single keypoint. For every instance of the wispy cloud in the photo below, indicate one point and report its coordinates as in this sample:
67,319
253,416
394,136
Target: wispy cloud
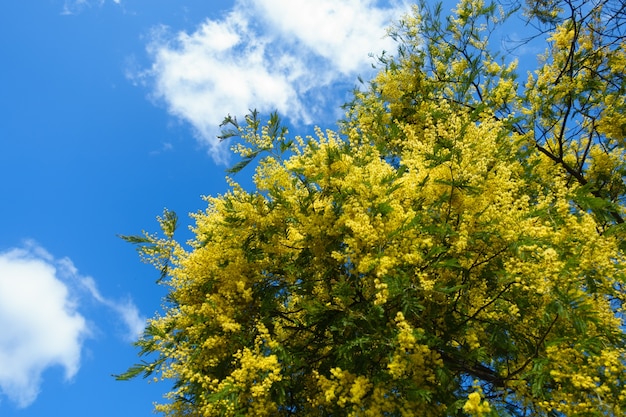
71,7
125,309
282,55
41,325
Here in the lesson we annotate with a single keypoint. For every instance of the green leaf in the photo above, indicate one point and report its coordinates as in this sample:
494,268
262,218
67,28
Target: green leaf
243,163
145,368
169,223
233,131
135,239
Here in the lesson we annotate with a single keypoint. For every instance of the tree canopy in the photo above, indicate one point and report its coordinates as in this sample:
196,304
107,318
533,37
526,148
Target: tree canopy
455,249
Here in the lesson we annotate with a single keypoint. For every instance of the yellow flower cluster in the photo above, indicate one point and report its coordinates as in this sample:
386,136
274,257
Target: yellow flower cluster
563,36
411,359
475,405
343,388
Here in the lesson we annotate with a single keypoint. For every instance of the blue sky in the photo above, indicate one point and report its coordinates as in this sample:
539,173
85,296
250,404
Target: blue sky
108,113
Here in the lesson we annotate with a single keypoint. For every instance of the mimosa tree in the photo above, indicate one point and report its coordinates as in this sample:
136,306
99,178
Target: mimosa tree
455,249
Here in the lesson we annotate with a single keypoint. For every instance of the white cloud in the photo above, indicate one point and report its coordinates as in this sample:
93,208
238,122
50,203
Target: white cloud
270,55
344,32
40,323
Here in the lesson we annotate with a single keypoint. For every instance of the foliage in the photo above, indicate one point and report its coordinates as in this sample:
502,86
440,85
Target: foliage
457,249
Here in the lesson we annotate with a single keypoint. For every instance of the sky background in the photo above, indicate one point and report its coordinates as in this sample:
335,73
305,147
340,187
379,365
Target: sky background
109,111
